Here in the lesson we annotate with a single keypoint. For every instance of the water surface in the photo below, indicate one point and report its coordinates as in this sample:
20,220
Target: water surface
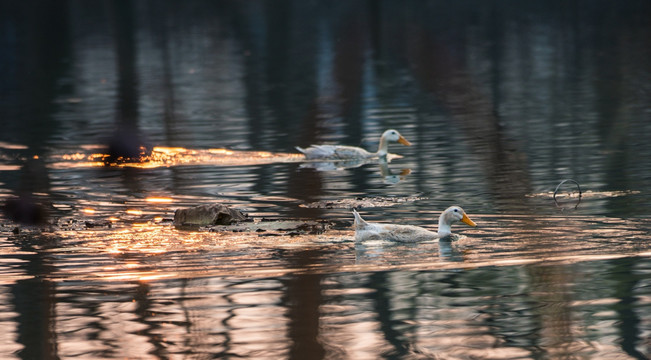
501,102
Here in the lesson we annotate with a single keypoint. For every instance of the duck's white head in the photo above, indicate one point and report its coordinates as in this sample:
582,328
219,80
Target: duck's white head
390,135
450,216
394,135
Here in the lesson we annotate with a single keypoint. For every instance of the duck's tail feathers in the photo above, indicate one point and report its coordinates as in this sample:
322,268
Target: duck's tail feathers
359,222
300,149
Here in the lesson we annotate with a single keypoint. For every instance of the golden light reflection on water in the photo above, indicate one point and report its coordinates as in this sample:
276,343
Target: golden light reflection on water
154,249
133,276
12,146
501,241
161,156
75,157
156,199
232,274
144,238
4,167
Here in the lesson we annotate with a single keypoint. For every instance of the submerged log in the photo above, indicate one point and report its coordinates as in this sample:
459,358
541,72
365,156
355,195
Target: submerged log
203,215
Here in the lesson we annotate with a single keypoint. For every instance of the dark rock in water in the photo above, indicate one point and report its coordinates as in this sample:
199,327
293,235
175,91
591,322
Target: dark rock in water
25,210
93,224
203,215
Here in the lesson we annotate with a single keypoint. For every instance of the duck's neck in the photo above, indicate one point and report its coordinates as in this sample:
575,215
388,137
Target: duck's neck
383,148
444,227
444,230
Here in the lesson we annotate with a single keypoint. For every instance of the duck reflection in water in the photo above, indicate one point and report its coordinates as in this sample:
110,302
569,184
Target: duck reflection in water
374,251
388,176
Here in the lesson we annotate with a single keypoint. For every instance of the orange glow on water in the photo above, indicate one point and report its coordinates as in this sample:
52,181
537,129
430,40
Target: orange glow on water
169,150
9,167
220,151
140,225
11,146
139,276
88,211
156,199
134,212
161,156
76,156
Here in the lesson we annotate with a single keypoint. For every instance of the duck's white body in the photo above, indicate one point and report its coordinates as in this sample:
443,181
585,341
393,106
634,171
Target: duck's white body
340,152
408,233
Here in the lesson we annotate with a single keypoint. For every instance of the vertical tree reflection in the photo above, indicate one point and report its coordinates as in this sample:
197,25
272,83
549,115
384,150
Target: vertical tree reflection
125,142
303,299
145,315
629,322
35,300
383,309
431,52
41,47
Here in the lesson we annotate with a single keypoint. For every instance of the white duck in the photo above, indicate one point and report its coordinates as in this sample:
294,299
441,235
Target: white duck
340,152
408,233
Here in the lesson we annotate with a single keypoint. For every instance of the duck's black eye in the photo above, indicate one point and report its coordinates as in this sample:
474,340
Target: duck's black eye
456,210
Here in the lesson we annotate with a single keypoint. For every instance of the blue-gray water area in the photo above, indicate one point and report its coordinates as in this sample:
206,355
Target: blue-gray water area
206,101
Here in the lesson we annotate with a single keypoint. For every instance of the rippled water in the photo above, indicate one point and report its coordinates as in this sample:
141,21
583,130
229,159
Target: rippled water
501,102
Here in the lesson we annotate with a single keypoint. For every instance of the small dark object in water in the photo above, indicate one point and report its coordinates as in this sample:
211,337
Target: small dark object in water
125,145
92,224
203,215
25,210
559,186
360,202
268,234
312,228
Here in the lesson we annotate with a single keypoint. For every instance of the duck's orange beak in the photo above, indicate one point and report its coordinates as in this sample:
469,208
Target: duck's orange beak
467,220
404,141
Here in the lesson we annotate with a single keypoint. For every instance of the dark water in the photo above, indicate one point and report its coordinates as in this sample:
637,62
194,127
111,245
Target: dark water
501,100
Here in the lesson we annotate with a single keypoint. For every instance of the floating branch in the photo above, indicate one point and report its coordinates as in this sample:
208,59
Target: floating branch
559,186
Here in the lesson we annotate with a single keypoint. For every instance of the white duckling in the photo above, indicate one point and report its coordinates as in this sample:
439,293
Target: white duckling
408,233
340,152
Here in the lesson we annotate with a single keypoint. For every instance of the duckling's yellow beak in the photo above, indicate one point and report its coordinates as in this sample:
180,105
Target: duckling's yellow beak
403,141
467,220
